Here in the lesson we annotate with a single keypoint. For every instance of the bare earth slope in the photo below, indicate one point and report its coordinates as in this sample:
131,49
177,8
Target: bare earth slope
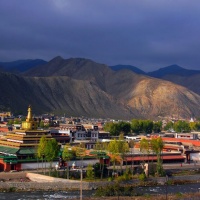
190,82
153,97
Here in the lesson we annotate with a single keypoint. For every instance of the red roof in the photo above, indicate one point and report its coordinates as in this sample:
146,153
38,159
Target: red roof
193,142
3,129
164,157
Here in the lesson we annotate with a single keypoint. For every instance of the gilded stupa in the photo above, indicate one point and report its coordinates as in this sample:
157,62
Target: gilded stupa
29,124
26,137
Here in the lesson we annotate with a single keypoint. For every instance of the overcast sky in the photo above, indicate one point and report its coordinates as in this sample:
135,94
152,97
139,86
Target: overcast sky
148,34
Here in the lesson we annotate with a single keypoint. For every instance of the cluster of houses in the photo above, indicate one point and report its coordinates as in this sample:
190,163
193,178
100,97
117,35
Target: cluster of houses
18,146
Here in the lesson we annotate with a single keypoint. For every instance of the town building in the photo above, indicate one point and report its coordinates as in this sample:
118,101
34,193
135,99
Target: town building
4,115
19,147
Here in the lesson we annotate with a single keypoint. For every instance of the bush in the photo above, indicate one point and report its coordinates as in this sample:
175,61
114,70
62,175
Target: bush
90,172
179,194
110,179
12,189
98,170
127,175
115,190
54,173
142,177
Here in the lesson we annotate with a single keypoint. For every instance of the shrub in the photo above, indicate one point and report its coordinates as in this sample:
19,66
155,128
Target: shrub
127,175
179,194
12,189
110,179
142,177
98,170
90,172
115,190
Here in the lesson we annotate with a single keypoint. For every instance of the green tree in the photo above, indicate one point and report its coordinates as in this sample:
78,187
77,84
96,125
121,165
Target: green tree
131,144
118,148
46,126
147,126
169,126
124,127
182,126
80,152
100,148
157,127
41,150
67,155
113,128
123,148
192,125
23,118
116,128
136,126
90,172
195,126
145,147
41,124
10,122
51,151
17,121
157,146
142,177
113,149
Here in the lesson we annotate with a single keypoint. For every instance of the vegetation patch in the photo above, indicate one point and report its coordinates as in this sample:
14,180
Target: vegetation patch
116,190
186,172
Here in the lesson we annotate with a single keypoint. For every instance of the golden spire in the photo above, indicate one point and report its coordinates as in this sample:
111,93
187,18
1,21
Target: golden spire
29,124
29,115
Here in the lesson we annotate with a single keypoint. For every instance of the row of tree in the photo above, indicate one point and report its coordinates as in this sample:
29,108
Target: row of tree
149,126
117,149
135,126
48,150
182,126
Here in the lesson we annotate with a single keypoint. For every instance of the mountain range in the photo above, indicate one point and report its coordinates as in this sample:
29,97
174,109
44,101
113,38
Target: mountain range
20,66
82,87
173,73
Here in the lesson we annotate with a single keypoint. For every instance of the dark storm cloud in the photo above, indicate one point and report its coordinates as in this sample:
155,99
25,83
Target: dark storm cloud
146,33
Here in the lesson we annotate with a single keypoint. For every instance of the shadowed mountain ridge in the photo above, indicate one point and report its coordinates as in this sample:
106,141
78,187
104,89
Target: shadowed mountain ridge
82,87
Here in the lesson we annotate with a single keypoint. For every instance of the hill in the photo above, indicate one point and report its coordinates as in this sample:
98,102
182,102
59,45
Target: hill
173,70
181,76
58,95
20,66
129,67
82,87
